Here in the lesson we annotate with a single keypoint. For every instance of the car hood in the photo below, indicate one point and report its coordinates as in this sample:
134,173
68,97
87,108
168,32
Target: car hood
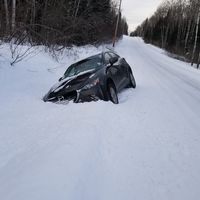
72,82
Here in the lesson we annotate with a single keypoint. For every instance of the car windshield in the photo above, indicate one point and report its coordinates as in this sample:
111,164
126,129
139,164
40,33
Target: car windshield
84,65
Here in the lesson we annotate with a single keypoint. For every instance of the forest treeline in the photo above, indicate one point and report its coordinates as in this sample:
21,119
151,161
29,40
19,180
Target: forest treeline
175,26
59,22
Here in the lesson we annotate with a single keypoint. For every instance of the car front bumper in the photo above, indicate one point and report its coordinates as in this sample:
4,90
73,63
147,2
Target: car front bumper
82,95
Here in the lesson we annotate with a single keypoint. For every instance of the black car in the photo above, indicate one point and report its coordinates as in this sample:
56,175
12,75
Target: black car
101,76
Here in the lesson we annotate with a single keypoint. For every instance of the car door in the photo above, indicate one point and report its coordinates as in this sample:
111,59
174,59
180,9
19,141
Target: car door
122,72
113,71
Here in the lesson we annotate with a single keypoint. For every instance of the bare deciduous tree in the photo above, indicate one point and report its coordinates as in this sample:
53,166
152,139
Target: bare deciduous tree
60,23
175,26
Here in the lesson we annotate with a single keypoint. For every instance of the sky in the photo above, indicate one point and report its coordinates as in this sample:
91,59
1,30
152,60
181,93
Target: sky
136,11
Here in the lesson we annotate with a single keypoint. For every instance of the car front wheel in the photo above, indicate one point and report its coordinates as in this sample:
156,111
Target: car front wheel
113,94
132,80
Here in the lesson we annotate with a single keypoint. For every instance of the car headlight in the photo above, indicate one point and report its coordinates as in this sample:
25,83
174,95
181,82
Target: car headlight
92,84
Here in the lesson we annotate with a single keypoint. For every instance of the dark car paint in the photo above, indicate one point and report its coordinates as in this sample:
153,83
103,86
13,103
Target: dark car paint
72,88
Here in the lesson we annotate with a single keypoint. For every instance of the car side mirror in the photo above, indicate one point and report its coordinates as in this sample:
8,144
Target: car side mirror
113,60
60,79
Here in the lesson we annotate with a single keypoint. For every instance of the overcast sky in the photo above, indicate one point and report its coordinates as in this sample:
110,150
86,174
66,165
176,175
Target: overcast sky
136,11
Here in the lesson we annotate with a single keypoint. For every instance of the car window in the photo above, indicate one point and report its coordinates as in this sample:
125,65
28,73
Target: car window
84,65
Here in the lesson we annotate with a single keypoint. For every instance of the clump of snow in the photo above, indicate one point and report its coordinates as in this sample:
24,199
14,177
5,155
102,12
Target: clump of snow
147,147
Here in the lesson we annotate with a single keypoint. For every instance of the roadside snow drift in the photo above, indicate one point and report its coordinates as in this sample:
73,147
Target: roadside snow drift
145,148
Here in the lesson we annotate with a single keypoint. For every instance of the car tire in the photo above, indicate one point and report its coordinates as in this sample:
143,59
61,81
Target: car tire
132,83
113,94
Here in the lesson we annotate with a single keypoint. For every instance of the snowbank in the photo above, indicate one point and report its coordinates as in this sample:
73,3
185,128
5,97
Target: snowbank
145,148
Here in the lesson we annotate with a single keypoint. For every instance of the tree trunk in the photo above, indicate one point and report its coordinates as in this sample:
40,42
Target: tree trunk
88,3
33,12
178,39
198,63
196,38
187,35
44,11
166,36
7,15
162,37
13,15
77,8
74,7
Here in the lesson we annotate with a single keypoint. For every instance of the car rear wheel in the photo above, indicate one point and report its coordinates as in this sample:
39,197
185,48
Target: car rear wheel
113,94
132,80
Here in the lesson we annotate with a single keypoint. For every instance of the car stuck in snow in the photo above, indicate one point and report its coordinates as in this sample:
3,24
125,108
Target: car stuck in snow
99,77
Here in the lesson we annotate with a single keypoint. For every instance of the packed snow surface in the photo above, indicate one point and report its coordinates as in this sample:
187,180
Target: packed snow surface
145,148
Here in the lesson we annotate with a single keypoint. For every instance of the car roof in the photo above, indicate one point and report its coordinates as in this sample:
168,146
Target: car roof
102,54
109,49
99,54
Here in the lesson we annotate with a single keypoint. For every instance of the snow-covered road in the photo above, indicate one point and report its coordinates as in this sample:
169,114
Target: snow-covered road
145,148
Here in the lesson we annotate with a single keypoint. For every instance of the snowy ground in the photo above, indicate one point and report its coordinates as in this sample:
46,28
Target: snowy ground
145,148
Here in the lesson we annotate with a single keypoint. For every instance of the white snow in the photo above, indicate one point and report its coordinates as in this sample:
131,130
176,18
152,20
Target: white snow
145,148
